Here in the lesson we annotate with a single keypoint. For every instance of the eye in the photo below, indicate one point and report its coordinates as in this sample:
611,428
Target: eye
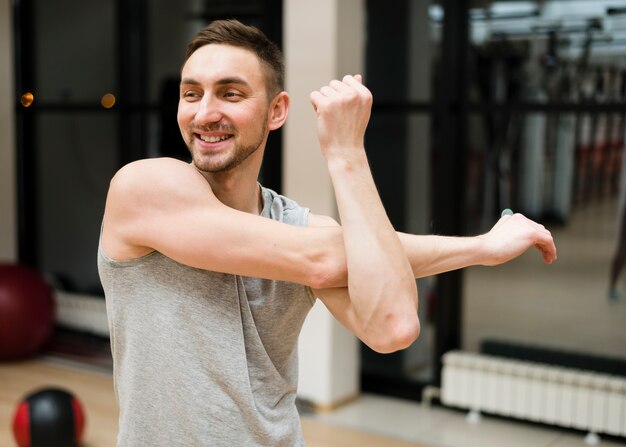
190,95
233,95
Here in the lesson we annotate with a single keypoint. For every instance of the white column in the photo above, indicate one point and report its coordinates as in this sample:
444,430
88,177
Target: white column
323,40
8,192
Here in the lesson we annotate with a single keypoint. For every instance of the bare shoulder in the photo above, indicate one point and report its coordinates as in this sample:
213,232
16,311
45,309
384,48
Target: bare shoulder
154,173
162,180
142,192
319,220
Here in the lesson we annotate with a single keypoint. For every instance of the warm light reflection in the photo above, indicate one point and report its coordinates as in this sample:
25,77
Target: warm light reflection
108,101
27,99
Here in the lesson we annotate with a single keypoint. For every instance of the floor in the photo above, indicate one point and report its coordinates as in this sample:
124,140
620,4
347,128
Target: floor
93,387
441,427
370,421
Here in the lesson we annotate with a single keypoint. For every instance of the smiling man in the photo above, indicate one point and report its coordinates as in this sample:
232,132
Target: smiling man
209,276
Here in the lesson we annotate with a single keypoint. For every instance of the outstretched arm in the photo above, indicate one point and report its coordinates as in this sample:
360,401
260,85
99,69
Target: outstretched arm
511,236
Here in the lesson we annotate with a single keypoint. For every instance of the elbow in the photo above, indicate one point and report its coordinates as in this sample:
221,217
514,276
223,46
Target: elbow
400,335
327,273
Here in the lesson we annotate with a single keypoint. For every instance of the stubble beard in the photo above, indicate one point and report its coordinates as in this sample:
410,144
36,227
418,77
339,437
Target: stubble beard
211,164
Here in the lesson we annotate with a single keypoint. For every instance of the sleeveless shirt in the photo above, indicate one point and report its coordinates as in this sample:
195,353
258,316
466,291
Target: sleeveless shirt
203,358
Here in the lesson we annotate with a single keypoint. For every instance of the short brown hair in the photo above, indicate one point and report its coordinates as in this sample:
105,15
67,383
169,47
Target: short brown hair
232,32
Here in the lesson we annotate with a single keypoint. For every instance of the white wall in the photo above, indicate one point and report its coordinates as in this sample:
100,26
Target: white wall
8,217
323,40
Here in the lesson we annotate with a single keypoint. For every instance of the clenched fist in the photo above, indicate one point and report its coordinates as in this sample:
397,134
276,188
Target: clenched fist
343,110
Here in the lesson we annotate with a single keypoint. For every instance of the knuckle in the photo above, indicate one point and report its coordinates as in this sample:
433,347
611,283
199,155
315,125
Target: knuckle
351,95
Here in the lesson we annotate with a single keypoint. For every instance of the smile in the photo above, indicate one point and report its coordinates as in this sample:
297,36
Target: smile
213,139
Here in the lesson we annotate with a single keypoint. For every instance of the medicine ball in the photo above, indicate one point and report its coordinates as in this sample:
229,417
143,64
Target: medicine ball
50,417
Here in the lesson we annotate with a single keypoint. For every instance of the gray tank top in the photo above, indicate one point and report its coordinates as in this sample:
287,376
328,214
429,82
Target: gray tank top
204,358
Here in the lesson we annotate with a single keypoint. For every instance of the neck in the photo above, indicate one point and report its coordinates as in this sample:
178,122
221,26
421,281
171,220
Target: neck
238,188
243,194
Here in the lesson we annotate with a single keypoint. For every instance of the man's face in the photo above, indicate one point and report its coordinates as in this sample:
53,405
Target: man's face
223,107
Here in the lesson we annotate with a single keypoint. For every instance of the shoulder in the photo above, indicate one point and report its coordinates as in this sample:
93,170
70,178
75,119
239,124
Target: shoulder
158,178
153,172
142,193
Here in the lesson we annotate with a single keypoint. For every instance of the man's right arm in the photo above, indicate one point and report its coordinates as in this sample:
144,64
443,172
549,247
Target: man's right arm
166,205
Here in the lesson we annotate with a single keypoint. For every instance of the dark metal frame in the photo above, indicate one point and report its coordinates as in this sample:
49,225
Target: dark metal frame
451,112
132,78
27,235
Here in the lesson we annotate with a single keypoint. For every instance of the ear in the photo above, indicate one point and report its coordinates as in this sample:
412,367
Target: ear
279,109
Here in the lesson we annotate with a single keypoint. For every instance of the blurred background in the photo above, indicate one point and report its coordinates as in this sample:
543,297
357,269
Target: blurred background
479,106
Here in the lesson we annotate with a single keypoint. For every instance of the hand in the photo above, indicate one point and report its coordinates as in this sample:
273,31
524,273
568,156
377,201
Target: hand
343,110
513,234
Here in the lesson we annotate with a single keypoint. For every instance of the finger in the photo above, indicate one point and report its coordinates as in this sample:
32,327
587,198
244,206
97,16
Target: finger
356,84
340,86
327,91
316,99
358,78
548,256
548,250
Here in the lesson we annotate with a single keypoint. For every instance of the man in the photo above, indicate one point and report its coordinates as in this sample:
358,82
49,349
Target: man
208,276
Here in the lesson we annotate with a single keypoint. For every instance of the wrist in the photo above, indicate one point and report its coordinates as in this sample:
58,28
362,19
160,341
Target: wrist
486,253
346,160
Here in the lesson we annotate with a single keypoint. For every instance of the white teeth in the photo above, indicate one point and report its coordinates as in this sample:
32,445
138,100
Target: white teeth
210,139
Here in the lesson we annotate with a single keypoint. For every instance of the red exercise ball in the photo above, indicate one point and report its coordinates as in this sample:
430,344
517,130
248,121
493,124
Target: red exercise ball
26,311
51,417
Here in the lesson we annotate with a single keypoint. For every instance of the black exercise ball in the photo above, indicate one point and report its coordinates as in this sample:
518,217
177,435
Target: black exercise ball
50,417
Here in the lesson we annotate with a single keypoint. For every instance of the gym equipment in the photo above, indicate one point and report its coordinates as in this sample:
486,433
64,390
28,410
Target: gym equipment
50,417
26,311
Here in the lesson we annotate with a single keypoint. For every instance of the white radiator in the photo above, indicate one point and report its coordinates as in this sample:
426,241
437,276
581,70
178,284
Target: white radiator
537,392
82,312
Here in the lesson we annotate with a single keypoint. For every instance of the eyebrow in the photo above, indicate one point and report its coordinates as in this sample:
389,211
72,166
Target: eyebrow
223,81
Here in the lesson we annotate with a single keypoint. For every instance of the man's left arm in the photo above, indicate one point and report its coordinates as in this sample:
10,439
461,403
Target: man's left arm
429,255
380,304
511,236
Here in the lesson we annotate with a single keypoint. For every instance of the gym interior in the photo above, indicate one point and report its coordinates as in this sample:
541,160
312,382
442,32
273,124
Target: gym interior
479,105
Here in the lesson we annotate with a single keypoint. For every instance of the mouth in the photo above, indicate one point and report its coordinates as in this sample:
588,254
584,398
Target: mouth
213,138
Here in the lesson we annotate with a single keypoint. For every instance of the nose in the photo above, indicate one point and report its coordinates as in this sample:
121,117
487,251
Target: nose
208,111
